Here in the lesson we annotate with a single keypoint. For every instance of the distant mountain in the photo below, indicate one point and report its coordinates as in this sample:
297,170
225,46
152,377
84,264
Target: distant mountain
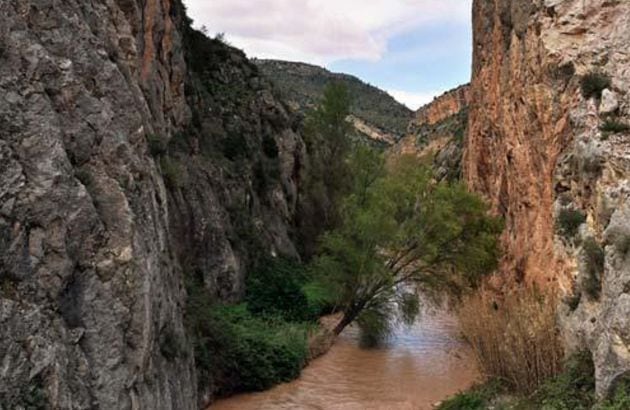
375,113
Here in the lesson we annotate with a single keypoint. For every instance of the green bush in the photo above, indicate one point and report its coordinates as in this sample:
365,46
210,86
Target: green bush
614,126
594,83
569,221
476,398
571,390
275,289
321,299
236,351
594,259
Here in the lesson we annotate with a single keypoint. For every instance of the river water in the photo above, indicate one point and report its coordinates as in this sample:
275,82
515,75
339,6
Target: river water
418,367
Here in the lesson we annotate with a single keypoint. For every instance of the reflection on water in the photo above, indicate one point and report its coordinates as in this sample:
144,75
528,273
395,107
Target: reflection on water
420,365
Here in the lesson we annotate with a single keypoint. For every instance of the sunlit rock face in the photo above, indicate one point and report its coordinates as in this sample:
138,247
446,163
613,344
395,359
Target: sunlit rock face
114,187
536,150
437,131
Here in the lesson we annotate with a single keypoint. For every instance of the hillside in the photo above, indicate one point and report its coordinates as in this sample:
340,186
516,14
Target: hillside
304,84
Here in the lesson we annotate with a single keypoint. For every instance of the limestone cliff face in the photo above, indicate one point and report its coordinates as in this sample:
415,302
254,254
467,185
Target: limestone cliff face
535,149
446,105
438,131
131,153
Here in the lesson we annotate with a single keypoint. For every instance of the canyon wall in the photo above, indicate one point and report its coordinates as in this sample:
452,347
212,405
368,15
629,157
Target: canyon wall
444,106
437,131
542,149
136,155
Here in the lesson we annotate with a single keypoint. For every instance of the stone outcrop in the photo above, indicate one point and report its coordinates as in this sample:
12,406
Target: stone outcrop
134,153
537,150
438,131
446,105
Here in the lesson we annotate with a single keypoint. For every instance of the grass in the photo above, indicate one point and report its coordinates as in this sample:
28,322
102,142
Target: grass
514,337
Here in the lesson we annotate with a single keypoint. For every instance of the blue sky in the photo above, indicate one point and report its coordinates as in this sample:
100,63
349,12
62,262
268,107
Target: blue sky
414,49
422,63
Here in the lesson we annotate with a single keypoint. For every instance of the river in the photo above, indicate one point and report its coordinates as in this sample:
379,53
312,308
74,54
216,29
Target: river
418,367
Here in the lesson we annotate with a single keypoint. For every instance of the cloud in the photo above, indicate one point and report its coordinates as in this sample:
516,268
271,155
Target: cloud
413,100
320,31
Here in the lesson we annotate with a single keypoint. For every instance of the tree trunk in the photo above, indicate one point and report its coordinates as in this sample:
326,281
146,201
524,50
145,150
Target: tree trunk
345,321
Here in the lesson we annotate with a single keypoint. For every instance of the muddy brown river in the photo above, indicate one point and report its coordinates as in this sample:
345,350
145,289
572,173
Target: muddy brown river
418,367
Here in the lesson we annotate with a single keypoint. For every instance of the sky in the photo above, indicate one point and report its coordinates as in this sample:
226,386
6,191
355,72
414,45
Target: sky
413,49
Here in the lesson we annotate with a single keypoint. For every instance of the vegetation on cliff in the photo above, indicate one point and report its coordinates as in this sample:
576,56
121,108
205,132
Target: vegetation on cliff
305,85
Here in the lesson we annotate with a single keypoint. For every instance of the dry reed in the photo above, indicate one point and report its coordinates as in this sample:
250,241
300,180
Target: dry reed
514,337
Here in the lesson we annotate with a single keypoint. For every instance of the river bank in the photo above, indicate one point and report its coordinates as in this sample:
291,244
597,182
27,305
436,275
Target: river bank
418,367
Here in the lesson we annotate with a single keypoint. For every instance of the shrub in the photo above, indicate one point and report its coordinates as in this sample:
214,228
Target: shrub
569,222
275,289
514,338
614,126
593,258
235,351
477,398
172,172
321,298
464,401
594,83
573,389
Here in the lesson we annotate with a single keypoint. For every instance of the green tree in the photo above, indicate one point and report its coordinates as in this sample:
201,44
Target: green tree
327,136
400,230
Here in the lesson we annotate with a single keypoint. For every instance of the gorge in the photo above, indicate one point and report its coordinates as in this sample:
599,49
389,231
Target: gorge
138,157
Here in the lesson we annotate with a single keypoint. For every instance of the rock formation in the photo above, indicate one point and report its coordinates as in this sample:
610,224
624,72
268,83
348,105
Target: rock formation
547,143
134,153
446,105
438,131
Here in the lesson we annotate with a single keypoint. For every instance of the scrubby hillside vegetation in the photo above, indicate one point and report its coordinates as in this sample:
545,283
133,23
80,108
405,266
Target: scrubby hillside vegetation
304,84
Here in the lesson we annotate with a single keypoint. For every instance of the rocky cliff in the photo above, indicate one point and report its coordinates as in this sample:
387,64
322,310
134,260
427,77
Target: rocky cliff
548,146
446,105
437,130
135,154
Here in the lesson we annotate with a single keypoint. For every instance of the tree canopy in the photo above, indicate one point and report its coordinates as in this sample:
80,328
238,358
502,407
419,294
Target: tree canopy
400,230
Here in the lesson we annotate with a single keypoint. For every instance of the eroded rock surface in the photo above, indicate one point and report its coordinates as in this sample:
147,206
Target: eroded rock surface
134,153
537,151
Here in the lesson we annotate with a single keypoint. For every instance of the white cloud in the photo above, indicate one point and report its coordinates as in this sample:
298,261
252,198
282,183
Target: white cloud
320,31
413,100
